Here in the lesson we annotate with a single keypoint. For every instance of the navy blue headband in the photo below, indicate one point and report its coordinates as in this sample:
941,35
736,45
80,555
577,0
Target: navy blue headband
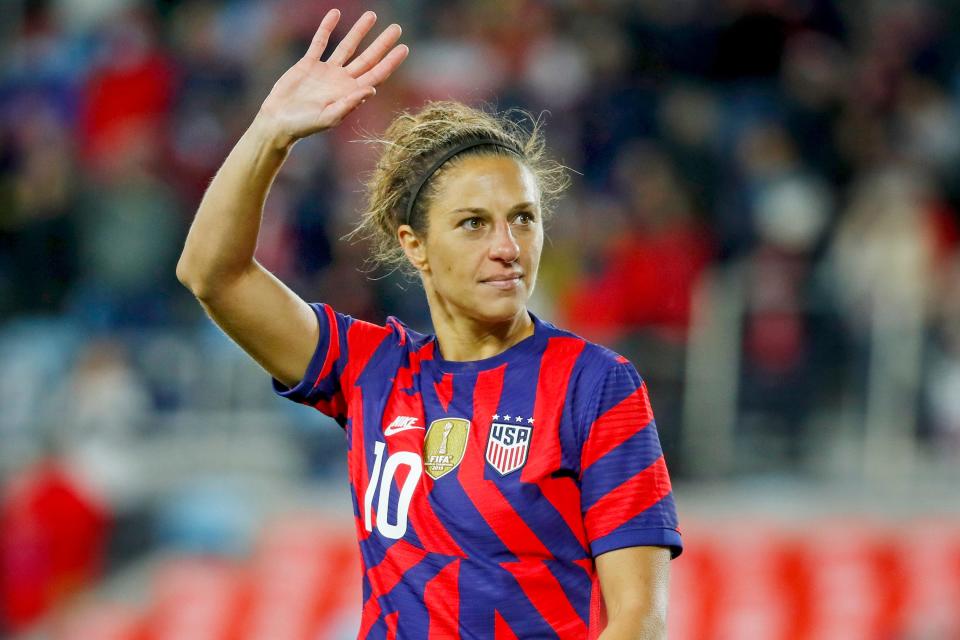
460,148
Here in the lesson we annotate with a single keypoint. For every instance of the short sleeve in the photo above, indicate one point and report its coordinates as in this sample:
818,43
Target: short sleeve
344,348
626,495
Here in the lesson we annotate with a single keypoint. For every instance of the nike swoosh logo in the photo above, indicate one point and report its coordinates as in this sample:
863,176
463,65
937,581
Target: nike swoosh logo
390,430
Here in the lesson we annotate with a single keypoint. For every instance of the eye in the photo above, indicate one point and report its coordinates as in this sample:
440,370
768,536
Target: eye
524,217
472,224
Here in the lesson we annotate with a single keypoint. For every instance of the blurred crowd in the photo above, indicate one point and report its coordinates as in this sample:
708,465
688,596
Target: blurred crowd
803,156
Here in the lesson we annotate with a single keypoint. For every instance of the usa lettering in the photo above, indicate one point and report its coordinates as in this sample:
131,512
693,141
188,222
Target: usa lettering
510,435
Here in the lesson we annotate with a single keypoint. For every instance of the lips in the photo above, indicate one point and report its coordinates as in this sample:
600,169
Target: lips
504,282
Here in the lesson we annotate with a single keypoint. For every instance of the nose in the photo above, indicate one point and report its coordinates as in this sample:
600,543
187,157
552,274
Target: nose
503,246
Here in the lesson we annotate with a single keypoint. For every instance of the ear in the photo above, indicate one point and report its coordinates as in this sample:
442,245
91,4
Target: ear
414,247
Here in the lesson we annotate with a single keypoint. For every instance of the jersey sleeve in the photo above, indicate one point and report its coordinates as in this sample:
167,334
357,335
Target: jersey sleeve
344,349
626,495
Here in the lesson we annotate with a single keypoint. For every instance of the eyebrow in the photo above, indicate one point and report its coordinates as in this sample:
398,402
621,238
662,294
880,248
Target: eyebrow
479,210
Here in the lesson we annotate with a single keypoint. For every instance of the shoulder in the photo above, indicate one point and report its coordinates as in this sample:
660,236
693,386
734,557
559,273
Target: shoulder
393,329
406,337
594,361
354,346
598,379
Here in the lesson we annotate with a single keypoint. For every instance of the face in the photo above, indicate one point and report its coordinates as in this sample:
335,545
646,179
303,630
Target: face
484,239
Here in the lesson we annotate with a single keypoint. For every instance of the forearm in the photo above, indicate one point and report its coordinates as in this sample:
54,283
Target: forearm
635,584
223,236
636,625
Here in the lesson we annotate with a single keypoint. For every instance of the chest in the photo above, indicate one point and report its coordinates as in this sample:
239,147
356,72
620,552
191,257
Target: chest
476,457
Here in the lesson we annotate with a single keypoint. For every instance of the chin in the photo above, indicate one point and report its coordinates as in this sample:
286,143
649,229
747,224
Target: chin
503,310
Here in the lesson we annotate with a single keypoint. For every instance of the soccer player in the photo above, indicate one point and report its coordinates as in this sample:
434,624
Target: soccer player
507,475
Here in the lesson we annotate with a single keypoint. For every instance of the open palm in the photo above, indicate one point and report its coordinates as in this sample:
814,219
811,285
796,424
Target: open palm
313,95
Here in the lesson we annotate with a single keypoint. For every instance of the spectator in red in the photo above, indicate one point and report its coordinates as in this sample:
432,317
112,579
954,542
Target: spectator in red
648,272
52,535
130,90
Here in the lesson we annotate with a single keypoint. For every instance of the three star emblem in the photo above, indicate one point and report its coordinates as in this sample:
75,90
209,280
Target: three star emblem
508,418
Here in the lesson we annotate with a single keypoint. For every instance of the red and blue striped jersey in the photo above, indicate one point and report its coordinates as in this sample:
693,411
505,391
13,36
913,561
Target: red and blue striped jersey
483,490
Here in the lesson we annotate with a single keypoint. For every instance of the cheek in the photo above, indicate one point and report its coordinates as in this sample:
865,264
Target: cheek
536,245
447,264
450,257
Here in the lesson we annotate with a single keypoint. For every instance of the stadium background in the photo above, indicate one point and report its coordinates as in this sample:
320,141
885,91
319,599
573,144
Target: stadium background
764,220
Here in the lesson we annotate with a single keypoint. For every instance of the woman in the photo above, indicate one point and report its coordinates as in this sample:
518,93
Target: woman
505,473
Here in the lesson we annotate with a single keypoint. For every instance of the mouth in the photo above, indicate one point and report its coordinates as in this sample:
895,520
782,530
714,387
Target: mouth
504,283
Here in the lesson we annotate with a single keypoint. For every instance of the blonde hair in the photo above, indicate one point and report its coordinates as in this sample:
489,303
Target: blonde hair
415,141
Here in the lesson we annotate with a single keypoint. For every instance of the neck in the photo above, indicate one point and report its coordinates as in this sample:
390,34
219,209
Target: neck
463,339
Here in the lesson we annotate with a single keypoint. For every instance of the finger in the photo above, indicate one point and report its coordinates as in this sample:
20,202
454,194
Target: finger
322,36
337,111
385,67
375,52
350,41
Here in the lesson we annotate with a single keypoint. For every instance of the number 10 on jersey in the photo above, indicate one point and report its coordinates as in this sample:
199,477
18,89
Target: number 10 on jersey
381,480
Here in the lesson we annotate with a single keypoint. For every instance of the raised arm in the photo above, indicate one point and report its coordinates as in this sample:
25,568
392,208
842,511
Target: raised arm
260,313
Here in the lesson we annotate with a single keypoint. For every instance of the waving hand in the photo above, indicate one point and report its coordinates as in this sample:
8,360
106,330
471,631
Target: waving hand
313,95
262,315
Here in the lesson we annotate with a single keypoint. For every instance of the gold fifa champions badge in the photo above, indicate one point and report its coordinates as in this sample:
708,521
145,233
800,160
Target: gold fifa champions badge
444,444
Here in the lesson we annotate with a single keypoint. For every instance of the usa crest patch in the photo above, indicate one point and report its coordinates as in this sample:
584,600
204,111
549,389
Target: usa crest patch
507,446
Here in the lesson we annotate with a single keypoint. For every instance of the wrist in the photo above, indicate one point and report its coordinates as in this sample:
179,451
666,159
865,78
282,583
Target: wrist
268,132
